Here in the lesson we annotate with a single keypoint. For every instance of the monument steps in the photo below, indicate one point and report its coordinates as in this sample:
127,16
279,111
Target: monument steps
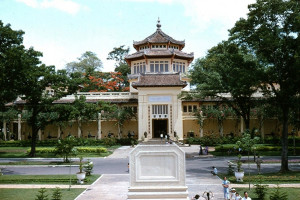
161,189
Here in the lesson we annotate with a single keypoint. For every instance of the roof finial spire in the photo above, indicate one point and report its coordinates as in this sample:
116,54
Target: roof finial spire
158,24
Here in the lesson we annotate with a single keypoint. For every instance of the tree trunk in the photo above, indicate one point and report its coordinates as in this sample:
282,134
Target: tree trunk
35,130
247,122
284,140
220,122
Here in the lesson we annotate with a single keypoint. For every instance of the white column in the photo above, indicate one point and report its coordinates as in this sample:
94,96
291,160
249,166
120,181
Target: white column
99,127
58,132
79,128
242,125
40,134
19,127
262,130
4,130
202,124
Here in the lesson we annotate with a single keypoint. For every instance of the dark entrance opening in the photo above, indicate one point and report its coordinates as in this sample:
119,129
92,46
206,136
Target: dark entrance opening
160,126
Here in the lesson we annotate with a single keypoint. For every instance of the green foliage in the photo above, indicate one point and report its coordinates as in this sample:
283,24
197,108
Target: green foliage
230,171
261,191
118,54
109,141
277,194
43,150
212,140
228,68
56,195
239,164
42,195
271,32
88,167
126,141
80,164
66,148
87,64
76,149
246,143
91,150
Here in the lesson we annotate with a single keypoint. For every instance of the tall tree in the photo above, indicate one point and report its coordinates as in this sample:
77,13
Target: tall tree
118,54
14,59
229,73
38,101
87,64
272,31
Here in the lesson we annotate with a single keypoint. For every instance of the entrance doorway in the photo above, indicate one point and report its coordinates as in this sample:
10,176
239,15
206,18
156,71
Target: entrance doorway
160,126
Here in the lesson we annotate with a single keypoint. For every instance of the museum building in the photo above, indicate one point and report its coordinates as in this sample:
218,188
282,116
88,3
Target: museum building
159,74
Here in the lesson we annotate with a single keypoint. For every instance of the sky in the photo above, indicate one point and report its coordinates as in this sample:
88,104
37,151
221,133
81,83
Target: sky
64,29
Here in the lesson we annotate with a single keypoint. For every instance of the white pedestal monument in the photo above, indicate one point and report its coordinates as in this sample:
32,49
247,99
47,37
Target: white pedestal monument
157,172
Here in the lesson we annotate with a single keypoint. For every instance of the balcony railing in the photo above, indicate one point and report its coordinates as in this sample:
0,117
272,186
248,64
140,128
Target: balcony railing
103,95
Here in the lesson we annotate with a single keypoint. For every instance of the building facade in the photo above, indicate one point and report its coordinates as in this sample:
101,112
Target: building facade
159,70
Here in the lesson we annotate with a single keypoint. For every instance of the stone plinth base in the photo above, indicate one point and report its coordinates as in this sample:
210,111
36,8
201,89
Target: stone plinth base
150,193
157,172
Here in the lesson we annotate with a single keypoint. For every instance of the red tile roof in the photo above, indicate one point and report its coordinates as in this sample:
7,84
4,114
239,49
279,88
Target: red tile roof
158,37
159,80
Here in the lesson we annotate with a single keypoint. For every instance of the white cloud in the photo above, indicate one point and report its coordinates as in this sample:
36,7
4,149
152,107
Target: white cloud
205,13
67,6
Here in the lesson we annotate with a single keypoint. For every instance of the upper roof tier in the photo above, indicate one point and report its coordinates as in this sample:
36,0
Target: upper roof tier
158,37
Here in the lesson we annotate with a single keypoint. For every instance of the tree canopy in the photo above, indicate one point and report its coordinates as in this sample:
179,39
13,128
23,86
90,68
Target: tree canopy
14,59
228,69
271,32
118,55
87,64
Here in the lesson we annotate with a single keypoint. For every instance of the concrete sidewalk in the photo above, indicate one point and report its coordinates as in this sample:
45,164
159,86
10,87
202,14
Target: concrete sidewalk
115,186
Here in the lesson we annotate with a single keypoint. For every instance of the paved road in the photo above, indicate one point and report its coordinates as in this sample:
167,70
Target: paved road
114,168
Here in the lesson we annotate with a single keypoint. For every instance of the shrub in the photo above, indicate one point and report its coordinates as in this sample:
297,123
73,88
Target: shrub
277,194
91,150
56,195
42,195
66,148
43,150
127,141
109,141
88,168
230,171
260,191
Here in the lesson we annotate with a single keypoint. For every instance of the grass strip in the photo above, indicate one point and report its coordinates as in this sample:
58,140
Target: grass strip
45,179
267,178
29,194
293,193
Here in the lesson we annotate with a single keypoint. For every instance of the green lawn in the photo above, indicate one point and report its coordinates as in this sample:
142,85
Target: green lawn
45,179
30,194
268,178
293,193
25,162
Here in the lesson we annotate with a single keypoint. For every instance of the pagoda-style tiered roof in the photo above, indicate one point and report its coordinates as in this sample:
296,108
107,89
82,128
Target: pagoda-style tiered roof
159,45
158,37
159,53
159,80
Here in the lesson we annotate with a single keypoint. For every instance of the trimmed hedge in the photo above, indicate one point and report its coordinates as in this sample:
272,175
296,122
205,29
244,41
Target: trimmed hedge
79,142
79,150
259,147
213,140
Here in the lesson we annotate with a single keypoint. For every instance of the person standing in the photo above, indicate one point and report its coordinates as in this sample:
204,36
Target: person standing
246,197
225,185
200,150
